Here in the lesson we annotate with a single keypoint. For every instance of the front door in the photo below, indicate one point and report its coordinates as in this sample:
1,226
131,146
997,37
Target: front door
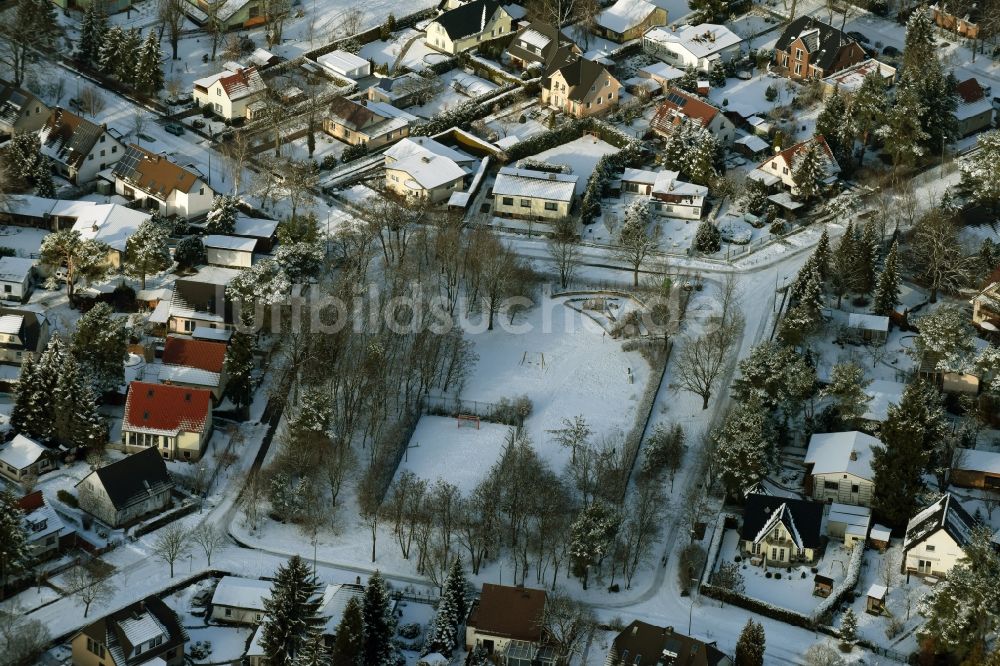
923,566
488,646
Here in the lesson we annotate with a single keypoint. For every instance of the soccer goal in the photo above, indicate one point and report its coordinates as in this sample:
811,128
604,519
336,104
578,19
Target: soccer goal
533,358
467,421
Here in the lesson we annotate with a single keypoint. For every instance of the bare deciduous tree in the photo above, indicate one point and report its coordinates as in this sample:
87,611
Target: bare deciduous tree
209,538
567,623
171,16
170,545
89,586
642,526
936,253
564,249
91,101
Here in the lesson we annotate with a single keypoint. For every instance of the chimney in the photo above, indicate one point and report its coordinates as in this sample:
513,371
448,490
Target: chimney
635,629
854,455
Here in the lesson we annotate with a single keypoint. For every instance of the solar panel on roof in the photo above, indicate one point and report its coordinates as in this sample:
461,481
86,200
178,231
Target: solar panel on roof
677,99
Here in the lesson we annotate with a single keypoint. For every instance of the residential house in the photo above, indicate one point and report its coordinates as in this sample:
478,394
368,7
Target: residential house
868,327
466,26
986,308
839,467
848,523
811,49
108,6
752,147
703,46
127,489
146,633
45,529
849,80
782,165
228,14
503,614
16,278
934,368
345,64
200,300
161,185
176,421
188,361
936,538
429,177
679,106
23,333
541,45
402,91
229,251
229,93
642,643
535,195
661,73
780,531
669,196
239,600
966,25
976,469
77,148
581,88
20,110
262,230
371,123
22,458
628,19
332,605
974,111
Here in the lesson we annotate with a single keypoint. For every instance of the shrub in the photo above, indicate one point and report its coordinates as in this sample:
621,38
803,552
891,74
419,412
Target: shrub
708,238
614,588
352,153
67,498
190,252
771,93
329,161
767,574
410,630
777,575
803,574
7,252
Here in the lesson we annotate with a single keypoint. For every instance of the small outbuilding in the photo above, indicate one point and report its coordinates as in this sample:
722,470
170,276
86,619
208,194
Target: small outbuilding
229,251
16,278
22,458
344,63
822,586
875,603
878,537
868,327
849,523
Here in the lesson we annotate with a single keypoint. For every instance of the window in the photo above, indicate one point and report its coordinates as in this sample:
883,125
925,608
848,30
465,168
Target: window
508,201
525,203
549,205
229,612
930,548
611,96
90,158
784,61
188,325
6,288
774,165
855,488
784,170
201,191
95,648
114,149
831,485
798,68
774,553
218,91
798,54
101,140
103,152
599,100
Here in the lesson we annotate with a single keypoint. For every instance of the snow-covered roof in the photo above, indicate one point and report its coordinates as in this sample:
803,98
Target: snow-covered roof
977,461
229,243
856,518
880,532
43,521
754,143
850,79
534,38
10,324
877,591
666,183
868,322
422,145
512,181
216,275
239,592
768,179
181,374
257,227
973,109
948,514
842,452
109,223
342,62
15,269
161,313
625,14
21,452
204,333
256,649
783,516
334,603
661,70
639,176
141,628
883,393
701,41
428,171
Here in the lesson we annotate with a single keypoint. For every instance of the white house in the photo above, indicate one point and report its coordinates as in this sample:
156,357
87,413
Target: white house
468,25
16,277
839,467
229,93
530,194
127,489
231,251
345,64
936,538
239,600
703,46
433,178
783,164
22,457
669,196
175,421
77,148
161,185
43,525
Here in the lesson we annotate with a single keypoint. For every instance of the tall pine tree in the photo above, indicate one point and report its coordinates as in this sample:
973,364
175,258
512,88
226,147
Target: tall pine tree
13,538
750,646
822,255
349,642
887,290
92,31
292,613
314,652
379,627
450,613
149,66
866,257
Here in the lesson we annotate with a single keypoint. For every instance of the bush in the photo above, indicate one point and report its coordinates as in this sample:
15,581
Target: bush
7,251
329,161
614,588
767,574
777,575
778,228
410,630
803,574
67,498
352,153
708,238
190,252
771,93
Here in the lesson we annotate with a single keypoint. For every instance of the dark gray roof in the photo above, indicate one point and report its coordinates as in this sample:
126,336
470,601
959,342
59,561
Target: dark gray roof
69,136
580,75
807,517
132,479
947,514
822,40
108,631
642,643
468,19
558,51
13,101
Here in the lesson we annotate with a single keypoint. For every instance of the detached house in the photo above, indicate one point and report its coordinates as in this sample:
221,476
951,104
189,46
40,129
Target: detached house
468,25
811,49
780,531
679,105
936,538
536,195
628,19
783,164
146,633
541,45
839,467
44,527
239,600
77,148
20,111
432,178
974,111
21,458
505,617
229,93
581,88
195,364
642,643
22,333
703,46
16,278
127,489
200,301
161,185
371,123
175,421
669,196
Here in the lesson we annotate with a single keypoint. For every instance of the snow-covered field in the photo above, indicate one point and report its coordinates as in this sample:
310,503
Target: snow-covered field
440,449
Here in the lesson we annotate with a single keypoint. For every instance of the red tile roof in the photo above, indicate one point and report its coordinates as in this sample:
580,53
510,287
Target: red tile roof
242,82
789,154
680,102
164,408
970,91
201,354
31,502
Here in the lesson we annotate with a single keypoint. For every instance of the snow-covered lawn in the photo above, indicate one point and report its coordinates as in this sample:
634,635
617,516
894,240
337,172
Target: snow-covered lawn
24,240
901,601
748,97
459,86
413,612
581,155
440,449
229,644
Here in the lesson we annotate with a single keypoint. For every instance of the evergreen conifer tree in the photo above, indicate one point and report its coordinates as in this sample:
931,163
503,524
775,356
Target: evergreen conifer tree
750,646
349,642
292,613
450,613
378,623
866,257
843,270
887,290
92,30
13,538
222,218
100,344
128,58
149,66
313,653
111,51
822,256
849,626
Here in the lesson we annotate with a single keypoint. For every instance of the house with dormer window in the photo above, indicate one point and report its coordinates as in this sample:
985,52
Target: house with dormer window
146,632
76,148
174,420
781,531
811,49
161,185
936,537
468,25
543,46
230,93
581,88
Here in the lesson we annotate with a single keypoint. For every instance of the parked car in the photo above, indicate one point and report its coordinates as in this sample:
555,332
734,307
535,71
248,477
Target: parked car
857,36
174,128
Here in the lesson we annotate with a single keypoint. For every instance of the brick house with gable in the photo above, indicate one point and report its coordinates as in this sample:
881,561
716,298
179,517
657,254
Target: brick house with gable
679,105
581,88
811,49
174,420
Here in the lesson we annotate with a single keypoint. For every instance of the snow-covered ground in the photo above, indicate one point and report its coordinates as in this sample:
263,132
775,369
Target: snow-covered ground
441,448
580,155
